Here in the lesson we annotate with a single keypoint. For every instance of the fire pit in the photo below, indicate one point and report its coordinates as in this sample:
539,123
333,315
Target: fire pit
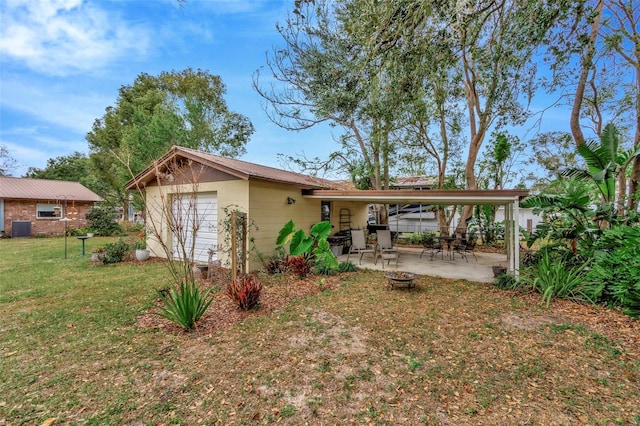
400,278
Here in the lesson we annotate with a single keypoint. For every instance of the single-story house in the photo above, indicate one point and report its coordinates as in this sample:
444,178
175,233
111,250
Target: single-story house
31,207
184,181
270,197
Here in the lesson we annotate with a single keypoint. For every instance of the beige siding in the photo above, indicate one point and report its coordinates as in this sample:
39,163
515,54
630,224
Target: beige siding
229,193
359,214
267,208
270,212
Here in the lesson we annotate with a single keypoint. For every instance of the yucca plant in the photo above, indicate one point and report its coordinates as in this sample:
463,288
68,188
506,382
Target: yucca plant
186,305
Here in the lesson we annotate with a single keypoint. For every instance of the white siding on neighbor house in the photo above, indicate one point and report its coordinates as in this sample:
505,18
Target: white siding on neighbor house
526,218
201,209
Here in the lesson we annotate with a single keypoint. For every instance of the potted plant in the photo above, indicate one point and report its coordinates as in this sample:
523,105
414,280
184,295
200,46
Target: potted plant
97,254
142,253
499,270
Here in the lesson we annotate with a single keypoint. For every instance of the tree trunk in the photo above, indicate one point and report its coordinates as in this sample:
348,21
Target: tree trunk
585,68
474,149
634,182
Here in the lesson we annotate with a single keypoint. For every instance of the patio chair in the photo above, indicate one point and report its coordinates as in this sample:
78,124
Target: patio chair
470,247
458,246
429,243
386,250
438,247
359,245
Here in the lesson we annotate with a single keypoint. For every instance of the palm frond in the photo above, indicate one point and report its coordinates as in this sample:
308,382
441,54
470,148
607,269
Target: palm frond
609,141
540,201
575,173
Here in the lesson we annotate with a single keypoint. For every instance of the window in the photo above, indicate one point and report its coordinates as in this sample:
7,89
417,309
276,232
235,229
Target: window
49,211
325,211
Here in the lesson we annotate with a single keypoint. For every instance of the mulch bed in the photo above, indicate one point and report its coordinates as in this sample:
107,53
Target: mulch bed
279,293
223,312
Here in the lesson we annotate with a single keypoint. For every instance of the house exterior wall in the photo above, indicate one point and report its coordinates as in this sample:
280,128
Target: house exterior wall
25,210
359,214
526,218
269,211
229,193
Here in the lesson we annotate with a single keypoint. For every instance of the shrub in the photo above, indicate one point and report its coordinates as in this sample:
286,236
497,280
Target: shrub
415,237
506,282
276,266
298,265
102,222
553,278
186,305
244,291
321,268
115,252
346,267
616,271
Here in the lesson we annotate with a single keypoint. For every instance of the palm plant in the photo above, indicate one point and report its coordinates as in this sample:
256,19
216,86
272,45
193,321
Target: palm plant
604,164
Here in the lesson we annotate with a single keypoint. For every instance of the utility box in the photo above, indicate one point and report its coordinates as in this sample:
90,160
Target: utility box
21,229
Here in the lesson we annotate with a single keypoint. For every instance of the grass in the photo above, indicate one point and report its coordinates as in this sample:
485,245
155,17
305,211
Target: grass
447,352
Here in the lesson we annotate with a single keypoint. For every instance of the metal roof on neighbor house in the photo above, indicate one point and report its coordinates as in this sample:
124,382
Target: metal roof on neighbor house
43,189
424,182
238,168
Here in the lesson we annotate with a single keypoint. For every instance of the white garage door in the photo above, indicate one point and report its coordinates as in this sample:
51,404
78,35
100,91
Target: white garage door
200,212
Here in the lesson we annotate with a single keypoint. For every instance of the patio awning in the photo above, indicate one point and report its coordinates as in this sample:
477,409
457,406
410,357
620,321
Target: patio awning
393,196
509,198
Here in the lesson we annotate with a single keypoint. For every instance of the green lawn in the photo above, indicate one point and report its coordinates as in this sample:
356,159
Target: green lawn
448,352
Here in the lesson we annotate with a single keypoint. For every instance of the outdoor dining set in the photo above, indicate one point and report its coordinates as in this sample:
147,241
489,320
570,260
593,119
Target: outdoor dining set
383,248
451,245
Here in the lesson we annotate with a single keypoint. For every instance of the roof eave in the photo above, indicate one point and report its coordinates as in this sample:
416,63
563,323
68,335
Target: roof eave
480,197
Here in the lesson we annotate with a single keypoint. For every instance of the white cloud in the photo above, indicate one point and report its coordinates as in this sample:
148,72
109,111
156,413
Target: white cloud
61,37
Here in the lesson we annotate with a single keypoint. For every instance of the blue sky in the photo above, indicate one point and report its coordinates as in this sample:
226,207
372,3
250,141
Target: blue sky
63,61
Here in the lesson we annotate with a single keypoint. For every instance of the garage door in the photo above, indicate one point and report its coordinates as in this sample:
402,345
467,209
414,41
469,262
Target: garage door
200,212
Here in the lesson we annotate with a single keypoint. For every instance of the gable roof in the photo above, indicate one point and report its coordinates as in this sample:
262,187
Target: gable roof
241,169
44,189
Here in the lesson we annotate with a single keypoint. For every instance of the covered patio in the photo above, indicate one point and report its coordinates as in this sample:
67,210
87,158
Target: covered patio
409,259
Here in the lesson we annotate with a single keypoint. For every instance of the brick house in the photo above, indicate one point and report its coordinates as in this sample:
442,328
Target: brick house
31,207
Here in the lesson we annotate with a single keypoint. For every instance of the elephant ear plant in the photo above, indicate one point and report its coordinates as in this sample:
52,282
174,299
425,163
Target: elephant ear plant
315,243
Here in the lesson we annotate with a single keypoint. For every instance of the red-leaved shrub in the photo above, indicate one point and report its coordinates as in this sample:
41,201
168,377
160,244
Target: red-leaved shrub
298,265
244,291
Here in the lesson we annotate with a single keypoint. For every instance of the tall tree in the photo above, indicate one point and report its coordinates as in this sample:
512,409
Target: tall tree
184,108
325,74
621,30
552,152
74,168
593,55
494,41
6,161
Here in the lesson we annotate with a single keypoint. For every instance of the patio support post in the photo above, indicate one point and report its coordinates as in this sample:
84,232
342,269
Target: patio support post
516,238
508,242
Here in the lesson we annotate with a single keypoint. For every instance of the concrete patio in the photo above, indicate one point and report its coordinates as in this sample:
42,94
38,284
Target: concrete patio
441,266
